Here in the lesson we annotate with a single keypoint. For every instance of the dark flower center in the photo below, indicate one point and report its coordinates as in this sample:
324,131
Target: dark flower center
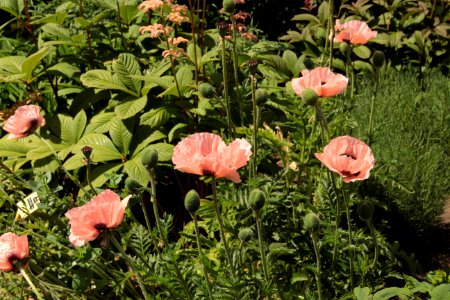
100,227
348,173
207,172
12,258
323,82
33,126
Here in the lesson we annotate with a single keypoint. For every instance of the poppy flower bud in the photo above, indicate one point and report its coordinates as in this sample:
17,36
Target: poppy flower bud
365,210
206,90
192,201
228,6
310,97
132,184
150,158
309,64
245,234
223,28
256,199
343,47
261,96
252,66
87,151
378,59
311,222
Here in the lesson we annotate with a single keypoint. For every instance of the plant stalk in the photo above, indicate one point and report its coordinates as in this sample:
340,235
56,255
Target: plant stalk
225,87
318,267
31,284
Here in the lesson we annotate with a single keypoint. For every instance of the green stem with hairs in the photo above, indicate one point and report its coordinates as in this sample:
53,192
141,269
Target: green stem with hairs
255,127
130,263
261,246
31,284
88,175
318,267
372,106
350,237
236,74
225,87
375,242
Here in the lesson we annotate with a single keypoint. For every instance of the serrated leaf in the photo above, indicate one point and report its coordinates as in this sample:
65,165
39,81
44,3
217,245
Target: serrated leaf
130,108
56,30
174,130
155,117
30,63
100,174
9,148
193,52
11,65
100,123
142,139
164,151
324,9
64,69
361,293
390,292
136,170
362,51
306,17
105,80
209,56
125,66
14,7
120,135
440,292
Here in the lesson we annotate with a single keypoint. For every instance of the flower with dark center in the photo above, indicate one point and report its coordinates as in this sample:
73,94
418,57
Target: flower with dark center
25,121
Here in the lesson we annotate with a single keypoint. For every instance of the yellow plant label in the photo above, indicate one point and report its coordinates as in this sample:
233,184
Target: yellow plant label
28,205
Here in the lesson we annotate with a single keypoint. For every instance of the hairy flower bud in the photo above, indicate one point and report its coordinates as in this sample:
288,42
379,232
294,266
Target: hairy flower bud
378,59
310,97
256,199
132,184
228,6
245,234
192,201
150,158
309,64
365,210
206,90
87,151
252,66
223,28
311,222
261,96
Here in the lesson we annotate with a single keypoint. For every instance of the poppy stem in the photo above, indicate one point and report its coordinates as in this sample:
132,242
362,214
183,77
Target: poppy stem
318,267
200,256
88,175
261,246
31,284
225,87
372,107
236,74
75,180
130,263
375,242
161,232
221,227
350,238
255,127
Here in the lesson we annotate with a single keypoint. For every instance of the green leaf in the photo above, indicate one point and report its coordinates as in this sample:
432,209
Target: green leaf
142,139
56,30
101,174
105,80
64,69
155,118
194,51
361,293
324,9
10,148
120,135
70,129
136,170
174,129
440,292
306,17
292,62
125,66
101,122
14,7
390,292
30,63
11,68
164,151
362,51
209,56
130,108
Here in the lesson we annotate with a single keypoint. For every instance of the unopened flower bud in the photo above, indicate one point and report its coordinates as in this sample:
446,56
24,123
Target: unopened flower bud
192,201
365,210
378,59
252,66
261,96
256,199
245,234
87,151
309,64
228,6
310,97
223,28
132,184
206,90
343,47
150,158
311,222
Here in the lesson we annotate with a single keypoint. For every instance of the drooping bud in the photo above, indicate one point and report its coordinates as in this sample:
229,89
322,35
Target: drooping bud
261,96
310,97
309,64
245,234
192,201
223,28
365,210
132,184
252,66
87,151
311,222
343,47
150,158
256,199
378,59
228,6
206,90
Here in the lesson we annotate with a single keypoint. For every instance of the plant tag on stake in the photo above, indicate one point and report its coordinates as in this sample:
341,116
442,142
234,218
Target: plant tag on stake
27,206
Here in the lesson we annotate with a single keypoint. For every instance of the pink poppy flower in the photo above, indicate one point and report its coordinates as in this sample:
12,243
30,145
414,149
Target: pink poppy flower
355,32
207,154
12,248
104,211
25,121
349,157
322,80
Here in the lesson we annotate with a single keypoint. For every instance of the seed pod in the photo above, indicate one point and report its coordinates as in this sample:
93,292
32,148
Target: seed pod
311,222
223,28
365,210
245,234
378,59
343,47
206,90
150,158
261,96
256,199
132,184
228,6
192,201
310,97
309,64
